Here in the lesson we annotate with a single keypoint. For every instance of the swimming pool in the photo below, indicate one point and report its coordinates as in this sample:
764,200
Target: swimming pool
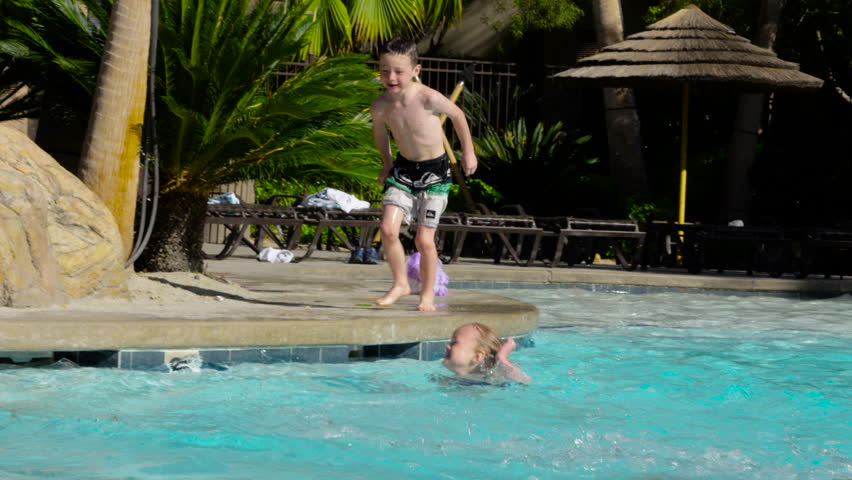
626,386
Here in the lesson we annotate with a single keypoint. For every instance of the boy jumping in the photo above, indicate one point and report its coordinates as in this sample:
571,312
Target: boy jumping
419,181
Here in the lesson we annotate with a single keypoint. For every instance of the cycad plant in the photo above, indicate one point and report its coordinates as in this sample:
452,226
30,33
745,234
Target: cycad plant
223,119
515,145
517,161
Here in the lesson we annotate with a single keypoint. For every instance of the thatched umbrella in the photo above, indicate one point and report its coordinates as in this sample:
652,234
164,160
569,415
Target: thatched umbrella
684,48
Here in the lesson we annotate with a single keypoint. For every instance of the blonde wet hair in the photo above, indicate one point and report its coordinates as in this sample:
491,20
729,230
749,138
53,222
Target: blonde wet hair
488,343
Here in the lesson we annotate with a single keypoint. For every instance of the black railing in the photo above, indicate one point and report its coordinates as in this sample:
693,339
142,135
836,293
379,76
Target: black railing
496,83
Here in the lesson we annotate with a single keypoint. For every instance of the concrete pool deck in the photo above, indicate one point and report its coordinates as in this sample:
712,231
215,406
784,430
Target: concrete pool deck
243,268
321,310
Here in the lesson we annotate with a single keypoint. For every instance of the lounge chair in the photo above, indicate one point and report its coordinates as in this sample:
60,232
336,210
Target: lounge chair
826,251
237,218
588,230
490,225
699,246
343,225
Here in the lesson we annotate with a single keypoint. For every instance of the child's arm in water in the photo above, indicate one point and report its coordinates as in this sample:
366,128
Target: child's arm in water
510,370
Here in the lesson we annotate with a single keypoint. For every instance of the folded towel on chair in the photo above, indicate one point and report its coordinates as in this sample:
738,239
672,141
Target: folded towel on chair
332,198
229,198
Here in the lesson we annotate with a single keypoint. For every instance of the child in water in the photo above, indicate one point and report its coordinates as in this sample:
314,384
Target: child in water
475,353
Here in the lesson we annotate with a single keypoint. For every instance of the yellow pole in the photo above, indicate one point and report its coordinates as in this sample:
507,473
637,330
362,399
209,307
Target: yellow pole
453,97
684,131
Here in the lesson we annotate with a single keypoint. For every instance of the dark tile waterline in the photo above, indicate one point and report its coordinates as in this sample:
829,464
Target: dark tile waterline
222,358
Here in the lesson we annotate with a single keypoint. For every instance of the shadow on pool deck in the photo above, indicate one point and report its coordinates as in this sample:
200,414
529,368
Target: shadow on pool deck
322,310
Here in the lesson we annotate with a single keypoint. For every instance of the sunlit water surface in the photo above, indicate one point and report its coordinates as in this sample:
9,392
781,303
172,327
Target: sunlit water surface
662,386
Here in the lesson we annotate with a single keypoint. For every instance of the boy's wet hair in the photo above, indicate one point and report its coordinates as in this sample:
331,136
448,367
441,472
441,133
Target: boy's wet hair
401,46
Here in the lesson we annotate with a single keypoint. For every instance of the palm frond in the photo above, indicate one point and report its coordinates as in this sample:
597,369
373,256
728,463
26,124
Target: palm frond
342,151
54,46
437,12
217,64
379,20
330,28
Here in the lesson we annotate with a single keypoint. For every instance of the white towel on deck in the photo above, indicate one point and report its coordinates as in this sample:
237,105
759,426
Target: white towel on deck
273,255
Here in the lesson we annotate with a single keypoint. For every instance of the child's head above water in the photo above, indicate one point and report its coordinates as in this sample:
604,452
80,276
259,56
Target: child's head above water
472,350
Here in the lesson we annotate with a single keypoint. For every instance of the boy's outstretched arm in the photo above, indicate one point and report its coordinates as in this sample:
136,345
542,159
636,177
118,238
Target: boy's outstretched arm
512,371
443,105
382,139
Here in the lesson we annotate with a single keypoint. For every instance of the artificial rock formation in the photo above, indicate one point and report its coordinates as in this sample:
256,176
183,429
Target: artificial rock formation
57,239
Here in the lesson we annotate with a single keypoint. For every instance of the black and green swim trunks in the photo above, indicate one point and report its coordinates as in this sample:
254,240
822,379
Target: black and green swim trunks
420,189
432,176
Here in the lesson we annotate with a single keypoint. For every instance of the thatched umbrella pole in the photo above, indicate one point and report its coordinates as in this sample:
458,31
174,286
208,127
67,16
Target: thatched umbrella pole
684,134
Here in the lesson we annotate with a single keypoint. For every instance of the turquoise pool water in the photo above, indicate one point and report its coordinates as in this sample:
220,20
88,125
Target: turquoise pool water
648,387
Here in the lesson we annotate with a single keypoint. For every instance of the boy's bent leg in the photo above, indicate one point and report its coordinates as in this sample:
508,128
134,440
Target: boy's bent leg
425,241
392,217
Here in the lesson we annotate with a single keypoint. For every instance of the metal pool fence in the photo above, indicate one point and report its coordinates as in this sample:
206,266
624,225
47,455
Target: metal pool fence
497,84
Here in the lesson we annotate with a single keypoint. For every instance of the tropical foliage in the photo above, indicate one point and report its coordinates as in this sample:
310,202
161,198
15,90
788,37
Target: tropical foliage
560,168
227,120
515,145
537,15
54,48
340,25
745,13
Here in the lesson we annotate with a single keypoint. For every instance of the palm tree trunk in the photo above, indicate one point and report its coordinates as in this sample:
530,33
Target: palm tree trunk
176,241
736,193
109,164
627,167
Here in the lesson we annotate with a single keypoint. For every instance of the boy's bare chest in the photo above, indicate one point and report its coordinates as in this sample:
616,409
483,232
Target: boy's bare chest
401,116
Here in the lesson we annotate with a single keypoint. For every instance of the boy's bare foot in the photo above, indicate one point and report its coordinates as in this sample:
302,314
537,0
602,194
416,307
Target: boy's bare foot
393,295
427,303
426,306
